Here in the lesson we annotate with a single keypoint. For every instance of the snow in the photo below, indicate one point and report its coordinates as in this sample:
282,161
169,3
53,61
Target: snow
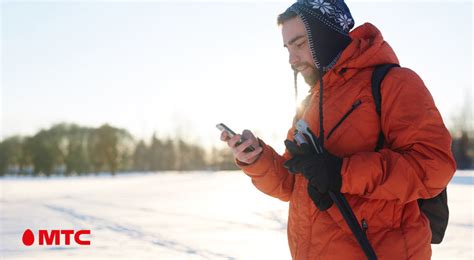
199,215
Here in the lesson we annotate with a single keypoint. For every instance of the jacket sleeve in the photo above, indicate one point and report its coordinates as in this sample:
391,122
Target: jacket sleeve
269,175
418,162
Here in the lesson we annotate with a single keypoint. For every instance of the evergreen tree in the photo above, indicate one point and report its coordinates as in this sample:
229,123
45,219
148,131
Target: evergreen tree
11,154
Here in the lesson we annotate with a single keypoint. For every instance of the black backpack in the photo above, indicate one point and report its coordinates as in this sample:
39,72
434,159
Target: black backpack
435,209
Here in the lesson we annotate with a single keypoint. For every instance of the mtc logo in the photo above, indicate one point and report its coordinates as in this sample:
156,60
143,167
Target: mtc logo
53,237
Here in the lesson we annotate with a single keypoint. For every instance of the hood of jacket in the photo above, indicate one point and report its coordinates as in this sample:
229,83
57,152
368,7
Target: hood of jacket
367,50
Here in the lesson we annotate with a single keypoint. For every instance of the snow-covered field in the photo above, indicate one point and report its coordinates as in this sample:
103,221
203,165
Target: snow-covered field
175,216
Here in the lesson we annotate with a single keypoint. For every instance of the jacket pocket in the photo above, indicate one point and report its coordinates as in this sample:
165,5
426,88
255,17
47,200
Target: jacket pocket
354,106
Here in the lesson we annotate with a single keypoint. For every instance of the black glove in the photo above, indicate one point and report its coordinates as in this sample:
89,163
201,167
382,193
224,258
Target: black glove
323,170
300,156
322,201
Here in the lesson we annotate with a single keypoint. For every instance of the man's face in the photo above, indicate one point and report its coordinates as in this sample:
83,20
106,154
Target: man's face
296,41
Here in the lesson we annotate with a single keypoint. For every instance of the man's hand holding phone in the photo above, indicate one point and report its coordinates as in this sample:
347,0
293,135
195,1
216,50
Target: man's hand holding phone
245,147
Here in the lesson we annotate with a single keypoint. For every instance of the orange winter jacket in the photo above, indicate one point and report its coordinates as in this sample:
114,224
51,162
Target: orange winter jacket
381,187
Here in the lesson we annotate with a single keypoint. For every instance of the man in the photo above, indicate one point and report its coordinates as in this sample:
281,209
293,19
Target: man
382,187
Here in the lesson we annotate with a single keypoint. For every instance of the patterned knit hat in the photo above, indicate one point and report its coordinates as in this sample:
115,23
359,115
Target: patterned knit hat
327,23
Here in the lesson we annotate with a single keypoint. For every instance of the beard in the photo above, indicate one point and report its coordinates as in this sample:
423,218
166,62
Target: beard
311,75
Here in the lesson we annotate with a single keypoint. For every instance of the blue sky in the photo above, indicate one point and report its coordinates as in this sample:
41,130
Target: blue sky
178,68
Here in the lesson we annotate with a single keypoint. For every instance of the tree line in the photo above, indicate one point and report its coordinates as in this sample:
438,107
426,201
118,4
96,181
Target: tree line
69,149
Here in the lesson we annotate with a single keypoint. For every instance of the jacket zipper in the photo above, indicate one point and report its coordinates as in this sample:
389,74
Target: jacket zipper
354,106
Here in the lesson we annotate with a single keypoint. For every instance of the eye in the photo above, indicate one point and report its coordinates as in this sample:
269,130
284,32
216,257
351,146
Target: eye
299,45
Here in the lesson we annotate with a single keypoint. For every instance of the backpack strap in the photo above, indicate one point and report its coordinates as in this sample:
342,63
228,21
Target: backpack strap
378,75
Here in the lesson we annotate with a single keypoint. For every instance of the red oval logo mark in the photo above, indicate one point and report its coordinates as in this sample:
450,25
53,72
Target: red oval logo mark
28,237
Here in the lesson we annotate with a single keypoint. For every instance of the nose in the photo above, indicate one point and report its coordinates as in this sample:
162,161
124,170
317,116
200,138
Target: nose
293,58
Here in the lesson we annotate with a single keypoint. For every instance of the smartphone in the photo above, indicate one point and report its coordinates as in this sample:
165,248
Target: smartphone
231,134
